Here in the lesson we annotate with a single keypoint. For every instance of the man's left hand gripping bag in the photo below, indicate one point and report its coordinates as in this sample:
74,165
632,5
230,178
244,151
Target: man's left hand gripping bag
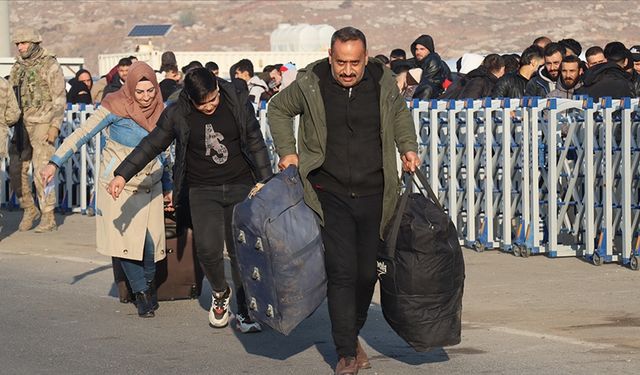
280,253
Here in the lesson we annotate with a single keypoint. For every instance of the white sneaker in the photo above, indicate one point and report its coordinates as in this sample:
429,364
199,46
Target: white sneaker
244,324
219,311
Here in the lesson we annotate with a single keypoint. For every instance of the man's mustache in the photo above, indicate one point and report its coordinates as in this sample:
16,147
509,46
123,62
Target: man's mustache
348,75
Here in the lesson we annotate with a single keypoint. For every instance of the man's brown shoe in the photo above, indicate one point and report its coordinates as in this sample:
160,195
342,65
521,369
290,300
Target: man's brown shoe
361,357
347,366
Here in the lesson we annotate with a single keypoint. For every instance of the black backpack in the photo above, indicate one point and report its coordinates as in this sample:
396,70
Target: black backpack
421,271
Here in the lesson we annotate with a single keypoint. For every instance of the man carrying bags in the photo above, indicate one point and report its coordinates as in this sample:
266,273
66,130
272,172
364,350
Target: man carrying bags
352,120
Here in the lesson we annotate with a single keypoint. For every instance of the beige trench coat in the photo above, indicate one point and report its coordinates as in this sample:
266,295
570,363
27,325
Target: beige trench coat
122,223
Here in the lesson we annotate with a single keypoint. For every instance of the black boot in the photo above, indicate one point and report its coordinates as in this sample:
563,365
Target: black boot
154,294
144,304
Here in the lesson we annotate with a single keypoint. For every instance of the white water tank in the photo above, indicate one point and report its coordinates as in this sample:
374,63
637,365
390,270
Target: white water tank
301,38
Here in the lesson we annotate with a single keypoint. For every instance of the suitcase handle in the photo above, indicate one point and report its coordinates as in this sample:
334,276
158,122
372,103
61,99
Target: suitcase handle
255,190
170,231
291,171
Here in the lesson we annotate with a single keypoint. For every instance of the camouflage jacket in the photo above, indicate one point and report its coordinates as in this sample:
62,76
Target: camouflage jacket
9,113
42,88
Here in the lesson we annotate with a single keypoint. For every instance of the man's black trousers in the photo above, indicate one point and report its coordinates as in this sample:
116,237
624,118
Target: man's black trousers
211,217
351,240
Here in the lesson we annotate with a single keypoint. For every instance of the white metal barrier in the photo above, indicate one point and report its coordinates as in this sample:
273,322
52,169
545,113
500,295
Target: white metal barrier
535,176
75,183
528,176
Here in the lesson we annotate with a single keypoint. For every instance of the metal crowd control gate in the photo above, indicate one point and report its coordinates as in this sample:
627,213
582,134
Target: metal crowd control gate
527,176
78,177
537,176
75,183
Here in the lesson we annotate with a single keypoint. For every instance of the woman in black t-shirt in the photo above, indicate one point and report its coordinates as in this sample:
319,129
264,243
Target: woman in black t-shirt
220,155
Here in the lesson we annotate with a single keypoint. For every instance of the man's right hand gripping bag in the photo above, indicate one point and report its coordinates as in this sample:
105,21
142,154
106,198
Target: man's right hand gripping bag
280,253
421,272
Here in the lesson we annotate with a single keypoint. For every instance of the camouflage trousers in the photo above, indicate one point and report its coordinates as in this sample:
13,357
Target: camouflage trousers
19,170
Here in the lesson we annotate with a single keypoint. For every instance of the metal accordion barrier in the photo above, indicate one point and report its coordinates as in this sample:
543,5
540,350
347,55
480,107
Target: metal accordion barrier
528,176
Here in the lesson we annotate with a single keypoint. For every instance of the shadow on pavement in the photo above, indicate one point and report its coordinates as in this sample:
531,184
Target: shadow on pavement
316,331
379,336
313,331
83,275
10,220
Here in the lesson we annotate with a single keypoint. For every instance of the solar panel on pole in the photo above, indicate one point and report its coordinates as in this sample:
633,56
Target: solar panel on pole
145,31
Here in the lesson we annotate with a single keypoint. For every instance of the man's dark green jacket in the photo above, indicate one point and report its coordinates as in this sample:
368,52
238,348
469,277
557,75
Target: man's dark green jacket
303,98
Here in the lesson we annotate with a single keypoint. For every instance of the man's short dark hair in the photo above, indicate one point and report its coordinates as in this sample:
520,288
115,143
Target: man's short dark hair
168,68
268,68
571,59
493,62
199,83
529,54
400,65
133,58
553,48
245,65
541,39
125,61
615,52
398,53
192,65
347,34
592,51
573,45
511,62
383,58
211,66
171,68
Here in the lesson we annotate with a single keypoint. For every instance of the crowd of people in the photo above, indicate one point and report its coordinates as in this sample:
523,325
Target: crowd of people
544,69
261,86
354,121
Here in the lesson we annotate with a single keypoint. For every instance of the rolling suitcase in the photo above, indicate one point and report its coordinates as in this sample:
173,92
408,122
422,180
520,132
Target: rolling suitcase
179,275
280,253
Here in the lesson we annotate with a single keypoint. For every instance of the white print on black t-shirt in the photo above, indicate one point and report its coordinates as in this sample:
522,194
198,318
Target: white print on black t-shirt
212,141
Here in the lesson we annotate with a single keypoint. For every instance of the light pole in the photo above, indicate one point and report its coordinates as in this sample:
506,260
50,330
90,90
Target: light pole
5,38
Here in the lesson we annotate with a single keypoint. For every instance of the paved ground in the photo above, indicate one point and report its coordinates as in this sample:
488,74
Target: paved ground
58,315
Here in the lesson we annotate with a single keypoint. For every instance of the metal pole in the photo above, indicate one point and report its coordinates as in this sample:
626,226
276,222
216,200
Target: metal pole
627,178
5,41
453,166
434,152
470,165
507,214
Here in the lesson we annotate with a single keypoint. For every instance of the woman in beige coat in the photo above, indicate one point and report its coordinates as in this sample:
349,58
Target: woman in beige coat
132,228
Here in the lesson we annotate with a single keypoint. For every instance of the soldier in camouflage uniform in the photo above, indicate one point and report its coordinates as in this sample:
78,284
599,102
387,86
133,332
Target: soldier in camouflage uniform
43,100
9,114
